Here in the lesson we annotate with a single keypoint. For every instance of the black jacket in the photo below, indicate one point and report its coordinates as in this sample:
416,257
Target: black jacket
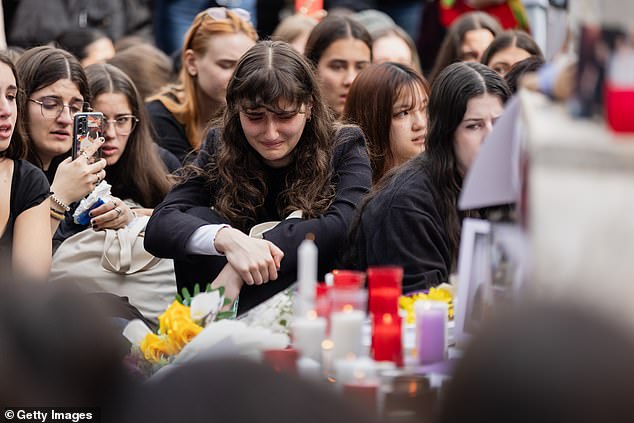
402,226
187,207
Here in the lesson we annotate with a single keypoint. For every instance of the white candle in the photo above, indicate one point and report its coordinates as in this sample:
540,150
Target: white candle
346,332
309,369
344,369
355,370
307,269
308,333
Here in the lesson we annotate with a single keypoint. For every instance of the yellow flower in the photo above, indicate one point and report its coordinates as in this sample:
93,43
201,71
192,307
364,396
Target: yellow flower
155,348
182,332
176,311
406,302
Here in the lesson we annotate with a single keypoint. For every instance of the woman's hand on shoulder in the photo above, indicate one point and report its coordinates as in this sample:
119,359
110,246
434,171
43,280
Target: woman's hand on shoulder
74,179
255,260
114,214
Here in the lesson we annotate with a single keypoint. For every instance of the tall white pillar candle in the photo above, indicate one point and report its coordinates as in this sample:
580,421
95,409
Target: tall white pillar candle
307,269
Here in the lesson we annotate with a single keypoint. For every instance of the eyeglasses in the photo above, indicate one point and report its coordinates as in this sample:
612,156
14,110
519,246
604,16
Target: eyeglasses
52,107
123,125
219,13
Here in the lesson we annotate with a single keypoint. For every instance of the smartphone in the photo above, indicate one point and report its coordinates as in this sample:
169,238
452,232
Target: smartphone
87,130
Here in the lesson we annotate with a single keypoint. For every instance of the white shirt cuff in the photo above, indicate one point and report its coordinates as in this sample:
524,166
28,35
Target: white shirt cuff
203,239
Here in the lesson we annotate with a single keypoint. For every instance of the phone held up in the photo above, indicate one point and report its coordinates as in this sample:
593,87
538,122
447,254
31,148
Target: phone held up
87,130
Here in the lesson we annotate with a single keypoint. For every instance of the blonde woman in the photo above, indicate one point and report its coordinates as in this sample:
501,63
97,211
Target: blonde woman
217,38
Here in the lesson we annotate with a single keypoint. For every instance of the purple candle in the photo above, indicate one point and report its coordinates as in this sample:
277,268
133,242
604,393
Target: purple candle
431,331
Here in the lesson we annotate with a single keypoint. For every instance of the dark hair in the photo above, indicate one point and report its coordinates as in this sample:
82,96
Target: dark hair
149,68
519,368
512,38
139,174
370,102
76,40
399,32
40,67
513,76
17,145
450,48
450,94
331,29
268,72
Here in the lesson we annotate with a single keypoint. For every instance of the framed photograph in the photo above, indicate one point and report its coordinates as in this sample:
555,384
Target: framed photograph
490,273
473,277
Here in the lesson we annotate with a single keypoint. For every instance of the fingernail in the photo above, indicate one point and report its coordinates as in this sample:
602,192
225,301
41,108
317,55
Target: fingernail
90,214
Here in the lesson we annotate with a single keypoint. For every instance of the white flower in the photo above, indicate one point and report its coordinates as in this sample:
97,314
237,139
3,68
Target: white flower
135,332
205,304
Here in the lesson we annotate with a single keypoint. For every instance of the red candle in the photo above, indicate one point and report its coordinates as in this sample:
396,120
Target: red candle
385,286
348,291
322,301
387,338
282,360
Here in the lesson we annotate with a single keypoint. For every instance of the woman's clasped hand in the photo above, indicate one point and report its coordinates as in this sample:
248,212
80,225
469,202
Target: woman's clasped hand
255,260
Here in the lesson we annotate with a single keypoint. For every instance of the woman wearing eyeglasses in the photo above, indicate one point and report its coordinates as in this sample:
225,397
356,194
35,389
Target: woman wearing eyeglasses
55,88
134,164
216,40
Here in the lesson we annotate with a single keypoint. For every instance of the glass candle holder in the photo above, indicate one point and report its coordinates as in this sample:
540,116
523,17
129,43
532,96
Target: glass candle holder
384,289
284,360
387,339
348,291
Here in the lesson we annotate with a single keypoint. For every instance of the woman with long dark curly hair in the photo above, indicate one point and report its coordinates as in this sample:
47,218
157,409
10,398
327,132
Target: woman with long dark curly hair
276,152
412,219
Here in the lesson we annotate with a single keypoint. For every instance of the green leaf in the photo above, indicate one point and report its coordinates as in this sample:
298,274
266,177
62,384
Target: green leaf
208,288
225,315
221,291
196,289
227,301
179,298
187,296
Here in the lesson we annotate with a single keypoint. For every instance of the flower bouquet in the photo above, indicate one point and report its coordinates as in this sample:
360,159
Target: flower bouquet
443,292
194,327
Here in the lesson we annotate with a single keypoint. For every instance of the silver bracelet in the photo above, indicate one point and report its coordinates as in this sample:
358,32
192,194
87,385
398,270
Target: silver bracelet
59,202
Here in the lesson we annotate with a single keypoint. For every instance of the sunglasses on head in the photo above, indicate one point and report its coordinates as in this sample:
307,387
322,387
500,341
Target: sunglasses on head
219,13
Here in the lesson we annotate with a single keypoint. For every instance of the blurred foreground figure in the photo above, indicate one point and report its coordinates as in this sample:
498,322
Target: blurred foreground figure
57,349
545,363
230,390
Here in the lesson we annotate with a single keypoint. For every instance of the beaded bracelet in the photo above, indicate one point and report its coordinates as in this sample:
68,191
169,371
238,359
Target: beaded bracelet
59,202
55,214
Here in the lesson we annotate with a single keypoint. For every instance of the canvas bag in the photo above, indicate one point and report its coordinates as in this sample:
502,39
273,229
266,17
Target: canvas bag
115,261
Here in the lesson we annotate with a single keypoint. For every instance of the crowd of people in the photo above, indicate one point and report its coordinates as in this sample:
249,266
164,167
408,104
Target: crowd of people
317,137
327,129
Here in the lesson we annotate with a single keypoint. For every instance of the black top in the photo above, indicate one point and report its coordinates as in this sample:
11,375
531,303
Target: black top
68,227
29,188
402,226
169,133
169,159
187,208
